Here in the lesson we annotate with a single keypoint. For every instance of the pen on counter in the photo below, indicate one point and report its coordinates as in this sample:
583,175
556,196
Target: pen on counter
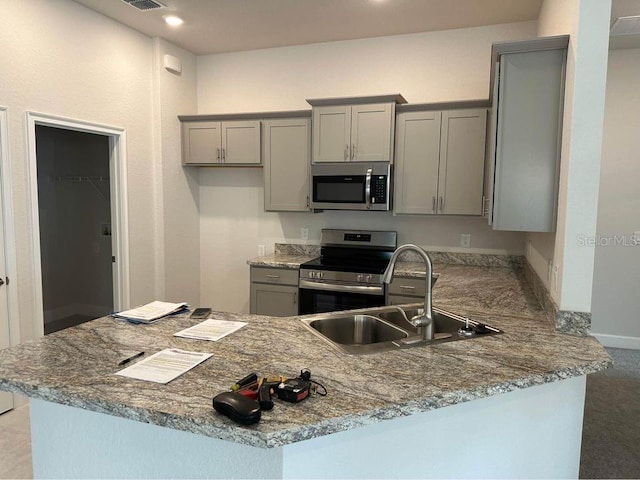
132,357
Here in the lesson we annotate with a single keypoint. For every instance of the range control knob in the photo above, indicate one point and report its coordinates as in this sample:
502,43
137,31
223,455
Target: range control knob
312,274
368,278
359,277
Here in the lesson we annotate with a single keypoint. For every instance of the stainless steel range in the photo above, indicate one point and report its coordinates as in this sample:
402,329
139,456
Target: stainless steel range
348,274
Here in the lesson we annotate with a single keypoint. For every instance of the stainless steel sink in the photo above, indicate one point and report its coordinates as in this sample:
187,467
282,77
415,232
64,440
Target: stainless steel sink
356,334
386,328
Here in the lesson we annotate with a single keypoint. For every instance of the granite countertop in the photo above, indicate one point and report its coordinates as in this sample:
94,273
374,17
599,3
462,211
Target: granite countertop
76,366
280,260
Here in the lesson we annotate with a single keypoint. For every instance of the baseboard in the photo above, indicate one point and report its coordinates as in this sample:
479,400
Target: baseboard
618,341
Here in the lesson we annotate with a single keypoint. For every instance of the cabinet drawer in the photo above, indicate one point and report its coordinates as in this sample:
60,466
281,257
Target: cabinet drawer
413,287
274,275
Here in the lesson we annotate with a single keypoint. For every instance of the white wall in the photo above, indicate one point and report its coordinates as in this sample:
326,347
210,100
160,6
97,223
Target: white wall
177,191
616,282
64,59
426,67
587,22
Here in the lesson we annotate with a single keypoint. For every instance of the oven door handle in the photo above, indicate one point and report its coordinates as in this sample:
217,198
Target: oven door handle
372,290
367,188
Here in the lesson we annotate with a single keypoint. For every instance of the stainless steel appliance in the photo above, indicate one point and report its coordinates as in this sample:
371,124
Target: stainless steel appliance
351,186
348,274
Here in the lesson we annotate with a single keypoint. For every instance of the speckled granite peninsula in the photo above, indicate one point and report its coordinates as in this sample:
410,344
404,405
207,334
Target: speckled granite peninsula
76,367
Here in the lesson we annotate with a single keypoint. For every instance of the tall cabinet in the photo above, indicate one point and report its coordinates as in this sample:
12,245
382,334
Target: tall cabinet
525,135
440,162
286,154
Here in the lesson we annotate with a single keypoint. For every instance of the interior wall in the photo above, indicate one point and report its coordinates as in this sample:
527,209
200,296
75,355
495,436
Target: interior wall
426,67
616,283
76,253
63,59
177,190
587,23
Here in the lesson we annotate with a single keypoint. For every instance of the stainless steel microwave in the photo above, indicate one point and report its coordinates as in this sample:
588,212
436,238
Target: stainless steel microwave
351,186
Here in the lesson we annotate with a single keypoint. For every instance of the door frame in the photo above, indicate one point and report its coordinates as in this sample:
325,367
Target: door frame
119,206
8,226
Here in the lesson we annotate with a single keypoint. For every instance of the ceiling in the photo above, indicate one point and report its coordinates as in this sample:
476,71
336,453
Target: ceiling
216,26
624,8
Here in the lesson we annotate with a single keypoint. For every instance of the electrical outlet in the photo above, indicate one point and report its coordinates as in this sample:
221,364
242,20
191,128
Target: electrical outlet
261,250
465,240
304,233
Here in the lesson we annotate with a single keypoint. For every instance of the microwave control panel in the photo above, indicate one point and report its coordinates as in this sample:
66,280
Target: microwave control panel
379,189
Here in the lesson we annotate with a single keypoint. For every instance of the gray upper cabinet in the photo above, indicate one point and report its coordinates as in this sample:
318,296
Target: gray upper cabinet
221,143
528,98
286,154
356,133
440,162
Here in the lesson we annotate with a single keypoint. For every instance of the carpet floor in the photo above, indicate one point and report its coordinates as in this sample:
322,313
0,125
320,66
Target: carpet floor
611,429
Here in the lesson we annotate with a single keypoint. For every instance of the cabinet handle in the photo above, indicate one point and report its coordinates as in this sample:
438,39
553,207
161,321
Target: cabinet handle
433,204
441,203
307,201
353,152
218,156
295,298
224,154
407,287
273,276
346,152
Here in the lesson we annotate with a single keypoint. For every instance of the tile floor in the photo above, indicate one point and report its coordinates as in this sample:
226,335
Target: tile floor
15,444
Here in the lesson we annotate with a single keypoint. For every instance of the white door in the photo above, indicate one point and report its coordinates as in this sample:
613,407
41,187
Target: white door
6,399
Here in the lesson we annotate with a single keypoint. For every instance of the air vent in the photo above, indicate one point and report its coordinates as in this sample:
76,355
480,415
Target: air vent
626,26
144,5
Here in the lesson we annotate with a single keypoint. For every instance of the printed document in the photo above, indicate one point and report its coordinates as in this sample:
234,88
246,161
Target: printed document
211,330
151,311
164,366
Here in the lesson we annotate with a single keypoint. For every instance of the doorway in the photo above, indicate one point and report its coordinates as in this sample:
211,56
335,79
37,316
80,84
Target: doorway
74,206
112,194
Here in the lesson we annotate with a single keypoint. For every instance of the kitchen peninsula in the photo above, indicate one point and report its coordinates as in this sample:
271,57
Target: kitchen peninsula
505,406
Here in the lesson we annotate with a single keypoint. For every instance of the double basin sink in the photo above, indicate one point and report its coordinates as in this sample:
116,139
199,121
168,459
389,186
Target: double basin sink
388,328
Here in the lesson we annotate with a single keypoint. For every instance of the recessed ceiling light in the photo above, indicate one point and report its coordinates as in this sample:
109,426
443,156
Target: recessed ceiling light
173,20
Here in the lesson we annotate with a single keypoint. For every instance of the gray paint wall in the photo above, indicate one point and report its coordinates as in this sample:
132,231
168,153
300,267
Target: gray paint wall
616,281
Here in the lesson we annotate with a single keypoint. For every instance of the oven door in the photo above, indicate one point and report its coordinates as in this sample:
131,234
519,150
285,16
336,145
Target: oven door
316,297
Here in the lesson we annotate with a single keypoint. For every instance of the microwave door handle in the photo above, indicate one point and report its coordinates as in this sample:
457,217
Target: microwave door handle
367,188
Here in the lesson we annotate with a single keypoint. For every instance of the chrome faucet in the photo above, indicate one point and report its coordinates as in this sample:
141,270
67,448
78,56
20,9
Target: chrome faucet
424,320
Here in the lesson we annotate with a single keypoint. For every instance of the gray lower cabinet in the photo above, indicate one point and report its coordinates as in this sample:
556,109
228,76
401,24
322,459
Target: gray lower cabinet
440,162
528,94
274,292
405,290
286,155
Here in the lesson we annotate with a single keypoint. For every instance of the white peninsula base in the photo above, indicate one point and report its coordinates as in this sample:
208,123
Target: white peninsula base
529,433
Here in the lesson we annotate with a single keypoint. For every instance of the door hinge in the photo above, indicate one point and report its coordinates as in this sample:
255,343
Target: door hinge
113,259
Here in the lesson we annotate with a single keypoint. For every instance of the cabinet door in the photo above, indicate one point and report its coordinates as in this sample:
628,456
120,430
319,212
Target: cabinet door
274,300
417,159
241,143
287,152
201,143
371,132
529,125
462,152
331,134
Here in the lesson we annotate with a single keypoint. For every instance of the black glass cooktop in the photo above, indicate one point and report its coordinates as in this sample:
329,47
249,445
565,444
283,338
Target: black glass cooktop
345,264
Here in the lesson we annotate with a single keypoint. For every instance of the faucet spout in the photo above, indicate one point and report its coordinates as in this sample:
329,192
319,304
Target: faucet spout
425,320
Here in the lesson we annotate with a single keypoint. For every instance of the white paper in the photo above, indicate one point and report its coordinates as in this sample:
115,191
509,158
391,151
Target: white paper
211,330
164,366
151,311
